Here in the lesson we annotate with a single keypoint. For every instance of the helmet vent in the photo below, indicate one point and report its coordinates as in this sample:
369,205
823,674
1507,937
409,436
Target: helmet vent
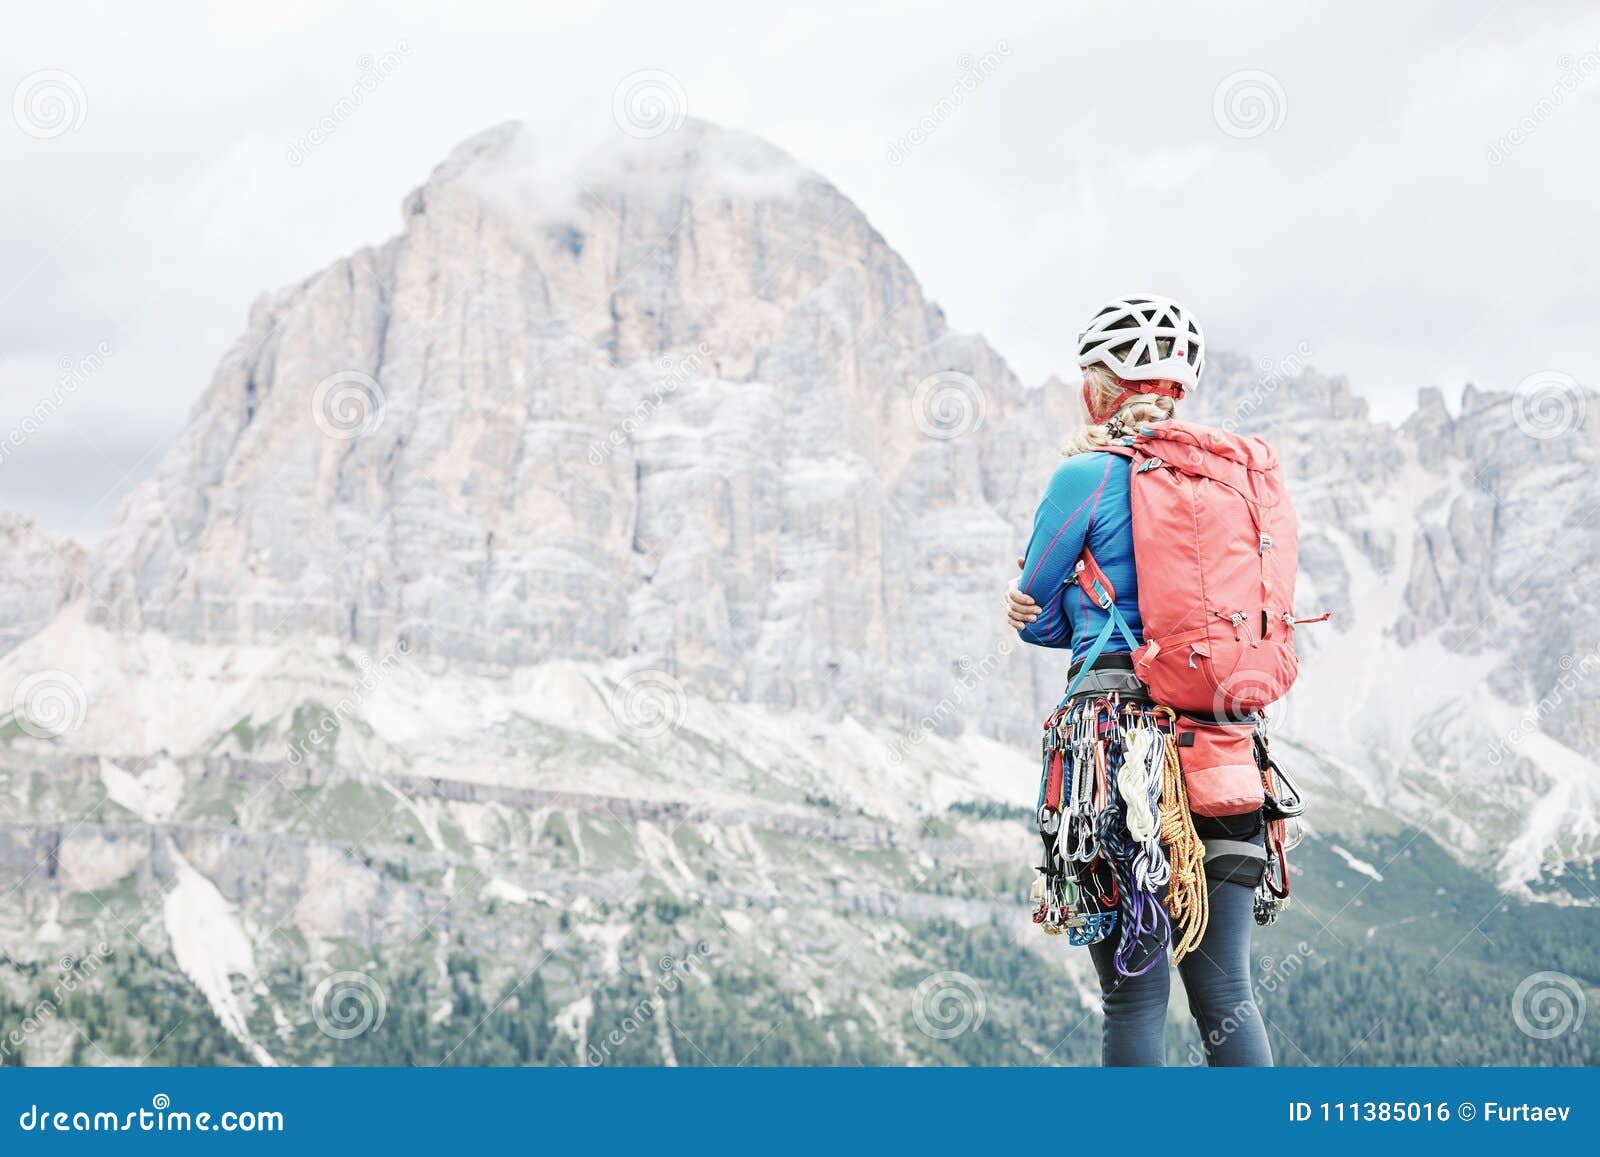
1145,338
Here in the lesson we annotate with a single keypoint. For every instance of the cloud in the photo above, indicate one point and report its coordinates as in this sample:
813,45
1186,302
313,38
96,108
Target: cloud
1368,222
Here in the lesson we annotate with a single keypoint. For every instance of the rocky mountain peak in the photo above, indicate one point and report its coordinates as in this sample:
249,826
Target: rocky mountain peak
687,407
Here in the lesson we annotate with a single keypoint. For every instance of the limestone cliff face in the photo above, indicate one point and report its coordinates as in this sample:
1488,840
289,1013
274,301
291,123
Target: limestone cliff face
669,409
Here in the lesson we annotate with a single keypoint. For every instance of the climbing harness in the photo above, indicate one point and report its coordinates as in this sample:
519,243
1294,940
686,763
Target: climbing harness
1121,856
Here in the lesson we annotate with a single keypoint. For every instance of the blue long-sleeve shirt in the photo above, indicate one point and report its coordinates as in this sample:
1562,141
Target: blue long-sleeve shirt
1087,500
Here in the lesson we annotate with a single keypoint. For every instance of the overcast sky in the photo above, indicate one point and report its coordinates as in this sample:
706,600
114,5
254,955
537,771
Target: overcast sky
1407,189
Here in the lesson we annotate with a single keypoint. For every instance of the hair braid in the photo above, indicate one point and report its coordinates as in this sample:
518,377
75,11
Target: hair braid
1135,412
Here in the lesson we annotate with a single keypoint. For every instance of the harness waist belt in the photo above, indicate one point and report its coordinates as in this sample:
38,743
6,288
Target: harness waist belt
1106,661
1109,672
1125,683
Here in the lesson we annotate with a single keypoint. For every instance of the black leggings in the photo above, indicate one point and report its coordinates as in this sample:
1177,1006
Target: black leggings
1216,975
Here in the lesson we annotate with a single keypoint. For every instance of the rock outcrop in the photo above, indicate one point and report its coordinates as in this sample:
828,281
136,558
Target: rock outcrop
38,574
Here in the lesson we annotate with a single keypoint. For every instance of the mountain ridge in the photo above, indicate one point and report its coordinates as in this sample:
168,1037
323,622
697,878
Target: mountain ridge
774,464
694,376
641,553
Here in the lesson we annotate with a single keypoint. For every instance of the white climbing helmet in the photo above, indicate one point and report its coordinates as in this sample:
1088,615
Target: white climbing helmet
1126,336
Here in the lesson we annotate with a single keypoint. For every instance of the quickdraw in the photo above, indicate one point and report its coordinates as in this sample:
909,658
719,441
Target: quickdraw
1115,826
1283,807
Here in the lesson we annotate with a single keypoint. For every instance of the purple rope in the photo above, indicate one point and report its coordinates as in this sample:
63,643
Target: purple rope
1142,914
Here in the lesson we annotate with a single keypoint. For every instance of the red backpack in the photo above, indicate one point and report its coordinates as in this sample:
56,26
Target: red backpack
1216,547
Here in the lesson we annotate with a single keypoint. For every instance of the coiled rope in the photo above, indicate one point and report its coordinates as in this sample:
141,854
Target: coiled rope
1143,920
1133,781
1188,899
1140,783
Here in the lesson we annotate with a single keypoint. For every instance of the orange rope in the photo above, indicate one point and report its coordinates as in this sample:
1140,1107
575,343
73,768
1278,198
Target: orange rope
1188,901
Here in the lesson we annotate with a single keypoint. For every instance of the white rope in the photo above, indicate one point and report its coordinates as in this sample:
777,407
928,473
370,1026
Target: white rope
1140,783
1133,781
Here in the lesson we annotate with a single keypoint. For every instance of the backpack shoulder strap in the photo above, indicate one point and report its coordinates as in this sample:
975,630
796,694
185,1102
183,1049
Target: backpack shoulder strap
1088,575
1092,579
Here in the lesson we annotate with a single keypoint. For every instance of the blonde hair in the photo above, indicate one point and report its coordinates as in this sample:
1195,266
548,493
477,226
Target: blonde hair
1104,388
